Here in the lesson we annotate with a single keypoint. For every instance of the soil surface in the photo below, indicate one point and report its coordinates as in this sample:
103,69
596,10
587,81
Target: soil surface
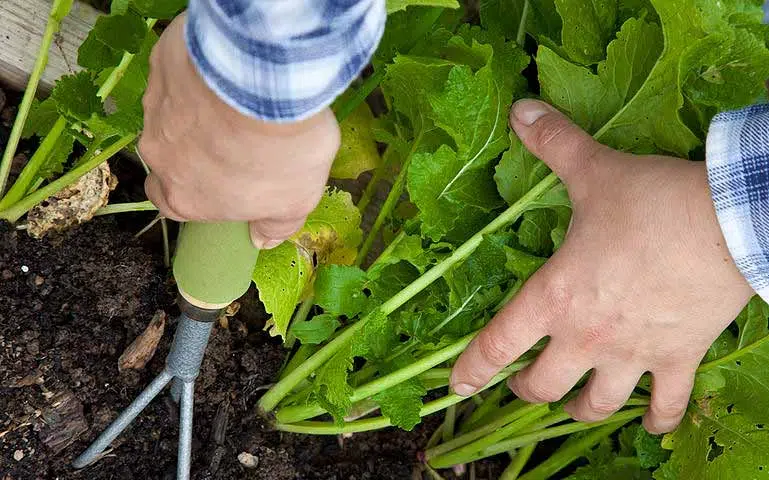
69,307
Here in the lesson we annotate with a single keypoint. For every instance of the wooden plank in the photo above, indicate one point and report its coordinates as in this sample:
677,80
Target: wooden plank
22,23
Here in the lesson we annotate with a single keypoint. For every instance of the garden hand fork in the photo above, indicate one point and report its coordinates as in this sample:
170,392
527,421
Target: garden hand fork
212,267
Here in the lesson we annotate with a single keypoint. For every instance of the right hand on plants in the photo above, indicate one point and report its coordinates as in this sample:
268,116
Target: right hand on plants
211,163
643,282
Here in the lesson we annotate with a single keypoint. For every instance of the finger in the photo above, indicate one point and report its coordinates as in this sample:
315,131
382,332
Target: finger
553,138
671,390
269,233
508,336
156,195
551,376
605,393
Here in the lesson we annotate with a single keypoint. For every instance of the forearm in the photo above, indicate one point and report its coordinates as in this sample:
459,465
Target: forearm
282,61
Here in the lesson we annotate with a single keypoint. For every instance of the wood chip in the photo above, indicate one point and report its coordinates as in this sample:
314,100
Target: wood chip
141,350
34,378
63,421
248,460
74,205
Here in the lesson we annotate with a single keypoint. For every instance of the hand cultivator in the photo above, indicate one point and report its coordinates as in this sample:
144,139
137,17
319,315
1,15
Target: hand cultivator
212,268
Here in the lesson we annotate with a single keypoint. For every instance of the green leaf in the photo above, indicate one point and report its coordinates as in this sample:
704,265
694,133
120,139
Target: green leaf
160,9
331,387
75,96
396,5
454,190
41,118
752,322
281,276
332,231
119,7
96,55
588,25
54,163
649,449
401,403
339,289
316,330
726,70
534,232
358,152
518,171
503,17
522,264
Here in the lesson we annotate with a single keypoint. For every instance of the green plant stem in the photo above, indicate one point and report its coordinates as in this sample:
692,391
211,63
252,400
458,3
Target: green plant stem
484,448
371,187
732,356
448,423
489,407
29,173
513,419
520,38
146,206
567,454
59,10
376,423
19,209
520,459
270,400
361,94
393,197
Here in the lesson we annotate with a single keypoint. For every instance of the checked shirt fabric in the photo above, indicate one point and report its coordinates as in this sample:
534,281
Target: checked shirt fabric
738,170
282,60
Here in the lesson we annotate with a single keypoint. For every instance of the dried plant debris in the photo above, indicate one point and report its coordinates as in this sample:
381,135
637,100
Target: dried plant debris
74,205
141,350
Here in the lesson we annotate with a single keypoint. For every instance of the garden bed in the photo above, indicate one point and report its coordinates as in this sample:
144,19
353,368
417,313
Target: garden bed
71,304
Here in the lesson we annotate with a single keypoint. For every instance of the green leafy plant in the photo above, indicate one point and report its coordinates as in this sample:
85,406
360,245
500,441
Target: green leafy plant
469,217
481,215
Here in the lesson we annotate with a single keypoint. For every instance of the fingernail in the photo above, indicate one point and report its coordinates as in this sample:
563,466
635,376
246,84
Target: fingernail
464,390
263,244
529,111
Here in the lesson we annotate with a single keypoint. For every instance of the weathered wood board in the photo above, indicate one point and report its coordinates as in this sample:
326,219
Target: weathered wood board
22,23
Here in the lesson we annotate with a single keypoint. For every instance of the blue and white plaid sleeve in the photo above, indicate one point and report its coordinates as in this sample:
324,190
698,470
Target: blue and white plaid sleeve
738,170
282,60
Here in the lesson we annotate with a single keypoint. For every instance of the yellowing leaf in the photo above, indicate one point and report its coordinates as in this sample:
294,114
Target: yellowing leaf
358,152
281,275
332,232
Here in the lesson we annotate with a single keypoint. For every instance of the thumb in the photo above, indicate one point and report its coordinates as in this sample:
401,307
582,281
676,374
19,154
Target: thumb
269,233
567,149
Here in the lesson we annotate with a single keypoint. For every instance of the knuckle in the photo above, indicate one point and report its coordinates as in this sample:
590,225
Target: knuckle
536,392
177,202
494,350
667,409
600,408
558,291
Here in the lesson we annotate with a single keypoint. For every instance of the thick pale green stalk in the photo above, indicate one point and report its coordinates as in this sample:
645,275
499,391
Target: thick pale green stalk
566,455
29,174
284,386
345,108
732,356
488,409
331,428
486,448
17,211
114,208
448,423
59,10
520,459
521,37
514,419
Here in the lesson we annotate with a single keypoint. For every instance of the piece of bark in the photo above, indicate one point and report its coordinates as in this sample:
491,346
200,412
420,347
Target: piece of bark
141,350
63,421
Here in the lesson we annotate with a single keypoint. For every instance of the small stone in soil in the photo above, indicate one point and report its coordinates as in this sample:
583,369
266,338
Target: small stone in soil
18,455
248,460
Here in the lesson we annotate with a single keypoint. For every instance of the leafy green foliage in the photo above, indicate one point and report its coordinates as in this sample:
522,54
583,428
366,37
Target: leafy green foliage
358,152
109,38
332,231
317,330
75,97
41,118
339,290
396,5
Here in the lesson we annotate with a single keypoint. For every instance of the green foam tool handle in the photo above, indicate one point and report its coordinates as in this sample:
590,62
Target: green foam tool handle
214,262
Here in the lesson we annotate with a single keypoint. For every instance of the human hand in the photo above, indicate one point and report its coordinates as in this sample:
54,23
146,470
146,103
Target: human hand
211,163
643,282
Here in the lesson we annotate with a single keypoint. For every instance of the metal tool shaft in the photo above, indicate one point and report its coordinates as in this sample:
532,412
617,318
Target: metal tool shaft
182,367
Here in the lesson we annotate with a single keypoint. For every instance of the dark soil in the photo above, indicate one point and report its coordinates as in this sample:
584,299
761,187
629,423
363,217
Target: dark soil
71,304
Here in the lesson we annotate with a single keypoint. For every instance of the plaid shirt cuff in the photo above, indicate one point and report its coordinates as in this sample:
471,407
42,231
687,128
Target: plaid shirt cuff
282,60
738,170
